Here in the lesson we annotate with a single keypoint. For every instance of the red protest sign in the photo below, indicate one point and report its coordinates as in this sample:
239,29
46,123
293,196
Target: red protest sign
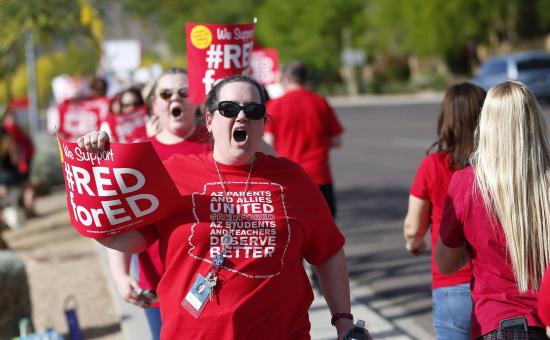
119,189
264,65
215,52
128,127
77,118
101,104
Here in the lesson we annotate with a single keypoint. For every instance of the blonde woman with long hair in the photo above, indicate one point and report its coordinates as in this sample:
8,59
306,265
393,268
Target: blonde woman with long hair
497,214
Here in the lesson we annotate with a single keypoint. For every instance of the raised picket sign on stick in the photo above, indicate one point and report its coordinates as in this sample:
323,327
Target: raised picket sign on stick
116,190
264,65
78,117
215,52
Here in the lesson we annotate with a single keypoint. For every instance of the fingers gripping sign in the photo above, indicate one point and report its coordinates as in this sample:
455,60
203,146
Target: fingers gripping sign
94,141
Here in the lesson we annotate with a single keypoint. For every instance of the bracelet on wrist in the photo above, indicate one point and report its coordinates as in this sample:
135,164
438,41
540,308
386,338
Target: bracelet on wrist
338,316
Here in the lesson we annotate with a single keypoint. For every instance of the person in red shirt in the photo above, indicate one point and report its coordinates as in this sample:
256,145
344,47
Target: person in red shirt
303,128
458,118
497,215
179,134
543,307
126,120
25,151
233,256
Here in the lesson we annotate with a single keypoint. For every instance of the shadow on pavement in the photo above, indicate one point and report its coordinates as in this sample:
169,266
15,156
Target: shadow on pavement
399,284
100,331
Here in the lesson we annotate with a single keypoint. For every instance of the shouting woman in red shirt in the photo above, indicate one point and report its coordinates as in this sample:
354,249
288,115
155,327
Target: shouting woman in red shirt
233,255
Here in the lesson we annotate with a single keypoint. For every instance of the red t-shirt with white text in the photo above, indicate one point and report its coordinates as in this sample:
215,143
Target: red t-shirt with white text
495,295
431,183
303,124
149,265
263,290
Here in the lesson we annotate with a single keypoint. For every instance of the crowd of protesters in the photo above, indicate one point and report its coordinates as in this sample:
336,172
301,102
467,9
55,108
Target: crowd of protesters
483,195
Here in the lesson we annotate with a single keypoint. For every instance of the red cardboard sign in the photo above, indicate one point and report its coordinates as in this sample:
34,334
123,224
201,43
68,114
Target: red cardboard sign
77,118
129,127
264,65
119,189
215,52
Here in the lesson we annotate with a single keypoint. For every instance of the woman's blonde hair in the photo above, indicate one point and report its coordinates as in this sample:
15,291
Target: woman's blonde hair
512,170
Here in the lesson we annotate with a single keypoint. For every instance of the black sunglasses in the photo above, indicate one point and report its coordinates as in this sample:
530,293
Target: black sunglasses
167,93
252,111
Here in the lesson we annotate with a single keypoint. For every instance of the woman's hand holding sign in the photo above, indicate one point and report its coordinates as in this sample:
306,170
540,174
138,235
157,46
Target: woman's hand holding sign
108,191
94,141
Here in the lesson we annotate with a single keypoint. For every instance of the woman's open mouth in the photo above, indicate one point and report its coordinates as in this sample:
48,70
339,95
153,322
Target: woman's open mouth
240,134
176,111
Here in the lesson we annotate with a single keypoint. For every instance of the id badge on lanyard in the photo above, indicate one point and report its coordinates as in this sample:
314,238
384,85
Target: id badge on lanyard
200,294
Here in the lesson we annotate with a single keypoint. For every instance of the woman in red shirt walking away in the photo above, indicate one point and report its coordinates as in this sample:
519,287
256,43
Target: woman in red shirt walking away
497,215
452,305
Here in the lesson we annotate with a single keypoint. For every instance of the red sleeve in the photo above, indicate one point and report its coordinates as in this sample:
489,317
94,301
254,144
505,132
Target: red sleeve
322,238
21,139
451,230
333,124
420,187
544,298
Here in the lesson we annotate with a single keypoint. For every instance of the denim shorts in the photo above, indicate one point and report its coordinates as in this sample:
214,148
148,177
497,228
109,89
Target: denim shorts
452,312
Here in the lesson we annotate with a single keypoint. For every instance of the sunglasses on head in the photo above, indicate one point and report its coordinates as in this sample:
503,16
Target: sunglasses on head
252,111
167,93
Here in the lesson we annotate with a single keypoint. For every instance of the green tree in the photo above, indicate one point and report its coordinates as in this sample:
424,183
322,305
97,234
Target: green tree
50,22
436,27
311,31
172,15
308,31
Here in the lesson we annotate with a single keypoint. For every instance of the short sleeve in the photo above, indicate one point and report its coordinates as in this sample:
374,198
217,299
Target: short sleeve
420,186
451,230
322,238
333,124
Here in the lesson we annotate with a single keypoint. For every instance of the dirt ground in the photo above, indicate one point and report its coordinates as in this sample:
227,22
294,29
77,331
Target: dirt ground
60,264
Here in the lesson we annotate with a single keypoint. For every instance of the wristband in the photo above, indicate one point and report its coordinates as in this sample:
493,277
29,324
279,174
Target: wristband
338,316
